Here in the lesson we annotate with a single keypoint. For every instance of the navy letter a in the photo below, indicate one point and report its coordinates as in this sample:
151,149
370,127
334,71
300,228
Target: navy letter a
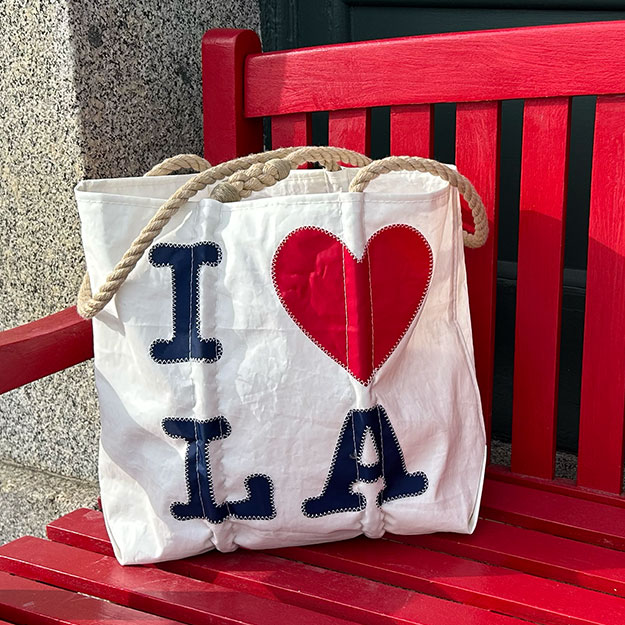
348,468
185,262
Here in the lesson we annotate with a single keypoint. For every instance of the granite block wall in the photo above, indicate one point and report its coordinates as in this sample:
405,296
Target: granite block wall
88,89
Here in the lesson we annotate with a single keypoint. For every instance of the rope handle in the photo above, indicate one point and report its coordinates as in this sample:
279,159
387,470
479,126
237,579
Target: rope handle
261,175
426,165
89,304
180,161
241,184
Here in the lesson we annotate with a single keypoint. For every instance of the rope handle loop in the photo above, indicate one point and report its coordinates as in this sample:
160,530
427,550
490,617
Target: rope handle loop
243,183
426,165
180,161
261,175
90,304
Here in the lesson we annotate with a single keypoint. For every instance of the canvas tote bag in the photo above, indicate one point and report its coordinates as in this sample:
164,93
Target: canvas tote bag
282,364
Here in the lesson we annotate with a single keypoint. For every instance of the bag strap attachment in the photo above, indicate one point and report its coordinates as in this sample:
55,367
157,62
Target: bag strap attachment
90,304
261,175
243,183
414,163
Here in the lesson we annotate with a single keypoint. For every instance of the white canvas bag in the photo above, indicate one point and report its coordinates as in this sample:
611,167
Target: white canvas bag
291,368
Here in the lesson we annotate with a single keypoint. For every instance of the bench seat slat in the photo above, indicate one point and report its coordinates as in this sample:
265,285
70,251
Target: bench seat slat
409,566
477,157
571,561
467,581
565,516
292,582
147,588
600,463
412,130
561,486
28,603
526,550
539,285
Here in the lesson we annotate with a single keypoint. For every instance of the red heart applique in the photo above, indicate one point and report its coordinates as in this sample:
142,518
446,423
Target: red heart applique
355,310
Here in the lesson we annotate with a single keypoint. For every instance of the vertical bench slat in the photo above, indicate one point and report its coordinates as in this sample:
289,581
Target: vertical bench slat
600,462
412,130
350,129
477,157
291,130
539,285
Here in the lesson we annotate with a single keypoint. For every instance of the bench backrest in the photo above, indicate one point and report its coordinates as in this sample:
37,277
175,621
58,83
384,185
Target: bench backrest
545,66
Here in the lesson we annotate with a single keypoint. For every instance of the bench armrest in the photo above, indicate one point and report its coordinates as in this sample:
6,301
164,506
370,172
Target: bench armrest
45,346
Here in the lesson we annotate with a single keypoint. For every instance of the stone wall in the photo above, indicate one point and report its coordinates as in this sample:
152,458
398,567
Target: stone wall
88,89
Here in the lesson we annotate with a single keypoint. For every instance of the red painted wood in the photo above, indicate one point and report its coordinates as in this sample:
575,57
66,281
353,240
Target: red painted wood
600,461
562,559
83,528
558,485
570,517
412,130
544,61
477,157
146,588
291,582
350,129
45,346
475,583
291,130
227,132
539,285
30,603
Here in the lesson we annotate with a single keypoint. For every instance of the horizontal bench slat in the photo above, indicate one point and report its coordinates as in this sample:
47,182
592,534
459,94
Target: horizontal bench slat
570,517
455,67
293,582
147,588
571,561
475,583
26,601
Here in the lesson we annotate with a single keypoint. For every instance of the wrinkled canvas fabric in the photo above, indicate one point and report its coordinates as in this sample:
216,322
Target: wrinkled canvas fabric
290,369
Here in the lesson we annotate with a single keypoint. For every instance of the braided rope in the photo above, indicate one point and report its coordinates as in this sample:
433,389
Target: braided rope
181,161
241,184
426,165
89,304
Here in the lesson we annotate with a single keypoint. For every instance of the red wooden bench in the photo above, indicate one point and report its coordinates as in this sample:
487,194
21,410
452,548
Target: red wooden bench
546,550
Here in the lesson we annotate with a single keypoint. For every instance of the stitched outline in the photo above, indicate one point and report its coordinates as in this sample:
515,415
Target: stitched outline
376,233
209,476
361,497
426,482
218,345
